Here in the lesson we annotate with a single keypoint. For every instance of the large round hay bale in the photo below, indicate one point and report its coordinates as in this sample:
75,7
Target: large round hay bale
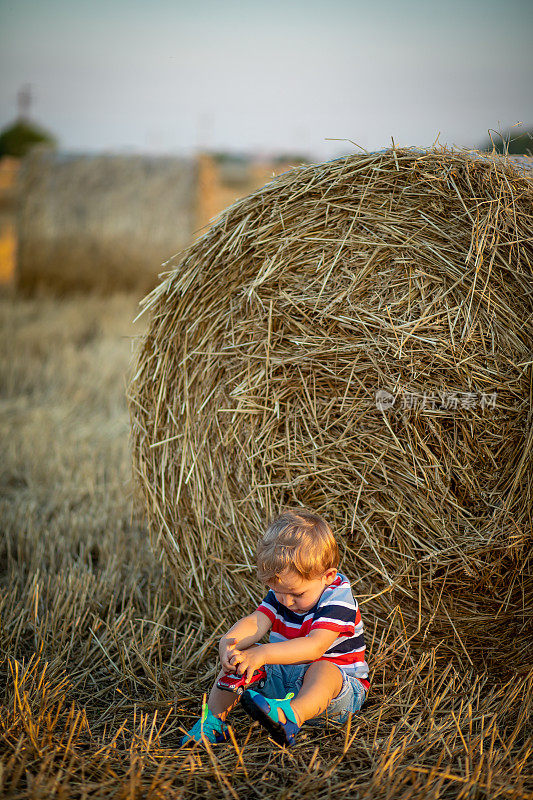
102,222
354,337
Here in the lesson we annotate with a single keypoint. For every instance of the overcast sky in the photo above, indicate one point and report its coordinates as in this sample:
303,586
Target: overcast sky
170,76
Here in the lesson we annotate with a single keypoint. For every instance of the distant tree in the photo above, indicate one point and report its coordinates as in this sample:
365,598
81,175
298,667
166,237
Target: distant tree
291,158
226,157
511,141
21,136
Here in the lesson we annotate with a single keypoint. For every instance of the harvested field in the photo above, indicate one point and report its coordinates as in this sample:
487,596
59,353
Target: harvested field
103,656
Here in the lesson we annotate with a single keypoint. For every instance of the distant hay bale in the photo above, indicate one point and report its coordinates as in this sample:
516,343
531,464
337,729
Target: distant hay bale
354,337
102,222
8,203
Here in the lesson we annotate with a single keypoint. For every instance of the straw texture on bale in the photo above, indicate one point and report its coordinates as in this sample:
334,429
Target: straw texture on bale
102,222
405,272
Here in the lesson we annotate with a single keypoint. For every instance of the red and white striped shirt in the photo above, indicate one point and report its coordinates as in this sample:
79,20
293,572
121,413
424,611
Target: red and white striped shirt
335,610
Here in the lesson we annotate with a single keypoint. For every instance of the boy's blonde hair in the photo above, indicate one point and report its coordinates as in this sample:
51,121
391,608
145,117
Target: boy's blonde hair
297,540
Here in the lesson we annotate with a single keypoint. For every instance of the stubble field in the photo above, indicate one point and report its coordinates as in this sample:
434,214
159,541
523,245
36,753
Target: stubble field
102,659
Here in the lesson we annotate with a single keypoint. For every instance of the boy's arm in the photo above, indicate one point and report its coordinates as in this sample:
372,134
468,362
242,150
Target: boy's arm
295,651
304,648
245,632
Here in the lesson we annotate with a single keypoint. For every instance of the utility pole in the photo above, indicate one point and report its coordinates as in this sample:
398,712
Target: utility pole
24,99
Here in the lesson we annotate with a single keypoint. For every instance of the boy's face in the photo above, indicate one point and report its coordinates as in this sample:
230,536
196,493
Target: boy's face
297,593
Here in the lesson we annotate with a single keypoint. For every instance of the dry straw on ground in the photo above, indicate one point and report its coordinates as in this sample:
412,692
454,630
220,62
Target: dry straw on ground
101,667
255,387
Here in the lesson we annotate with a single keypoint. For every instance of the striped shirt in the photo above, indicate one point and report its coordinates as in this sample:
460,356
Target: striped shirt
335,610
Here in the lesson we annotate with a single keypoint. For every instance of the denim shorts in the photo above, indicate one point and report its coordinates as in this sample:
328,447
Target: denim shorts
284,678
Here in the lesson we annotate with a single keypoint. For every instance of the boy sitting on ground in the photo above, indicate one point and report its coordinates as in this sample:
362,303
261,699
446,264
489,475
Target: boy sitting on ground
315,657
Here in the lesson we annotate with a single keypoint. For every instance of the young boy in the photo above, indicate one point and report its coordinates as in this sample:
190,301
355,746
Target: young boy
316,648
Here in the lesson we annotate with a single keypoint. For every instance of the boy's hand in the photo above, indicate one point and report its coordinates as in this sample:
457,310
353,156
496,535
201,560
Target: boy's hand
227,649
248,661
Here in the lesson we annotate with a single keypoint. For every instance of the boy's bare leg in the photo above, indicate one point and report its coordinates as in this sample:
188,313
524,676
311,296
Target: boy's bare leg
219,701
322,682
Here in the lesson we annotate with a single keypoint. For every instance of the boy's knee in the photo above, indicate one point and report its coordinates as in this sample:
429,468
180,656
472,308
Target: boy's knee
337,672
330,672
